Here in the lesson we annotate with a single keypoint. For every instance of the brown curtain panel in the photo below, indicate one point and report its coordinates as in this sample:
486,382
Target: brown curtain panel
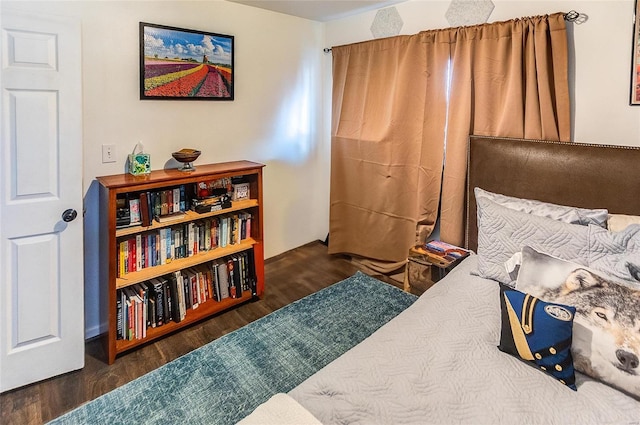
509,79
388,119
393,114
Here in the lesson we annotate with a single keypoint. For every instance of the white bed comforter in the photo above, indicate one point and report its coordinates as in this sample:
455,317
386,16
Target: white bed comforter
437,363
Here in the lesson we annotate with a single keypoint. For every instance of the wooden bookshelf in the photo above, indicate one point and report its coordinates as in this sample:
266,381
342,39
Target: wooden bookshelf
114,186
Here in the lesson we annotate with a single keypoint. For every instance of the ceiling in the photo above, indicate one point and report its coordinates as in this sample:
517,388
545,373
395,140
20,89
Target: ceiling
319,10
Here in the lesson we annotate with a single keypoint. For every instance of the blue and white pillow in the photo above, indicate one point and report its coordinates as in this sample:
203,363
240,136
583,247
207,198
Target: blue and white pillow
538,332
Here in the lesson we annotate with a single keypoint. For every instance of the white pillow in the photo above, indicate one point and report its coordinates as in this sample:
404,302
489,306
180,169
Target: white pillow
617,254
502,232
556,212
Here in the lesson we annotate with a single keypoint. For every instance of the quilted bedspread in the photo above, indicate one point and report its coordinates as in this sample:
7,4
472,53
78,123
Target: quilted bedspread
437,363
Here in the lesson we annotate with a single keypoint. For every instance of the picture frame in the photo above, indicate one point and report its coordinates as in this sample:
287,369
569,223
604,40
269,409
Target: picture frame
185,64
635,57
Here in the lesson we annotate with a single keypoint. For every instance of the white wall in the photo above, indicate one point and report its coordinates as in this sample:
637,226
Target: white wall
600,57
275,117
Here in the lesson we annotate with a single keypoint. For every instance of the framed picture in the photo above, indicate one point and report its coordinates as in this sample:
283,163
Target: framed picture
184,64
635,58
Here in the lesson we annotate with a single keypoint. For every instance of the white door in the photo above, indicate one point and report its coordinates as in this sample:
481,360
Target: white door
41,266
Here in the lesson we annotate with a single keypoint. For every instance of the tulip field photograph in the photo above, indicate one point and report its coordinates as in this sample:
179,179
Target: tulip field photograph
178,63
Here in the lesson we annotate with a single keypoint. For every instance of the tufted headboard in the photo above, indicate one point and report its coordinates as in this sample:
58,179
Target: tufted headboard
576,174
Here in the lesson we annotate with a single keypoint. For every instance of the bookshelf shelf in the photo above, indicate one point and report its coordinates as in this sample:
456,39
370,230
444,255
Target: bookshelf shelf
115,279
189,216
181,263
206,309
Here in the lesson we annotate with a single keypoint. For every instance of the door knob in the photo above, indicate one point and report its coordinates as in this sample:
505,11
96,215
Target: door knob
69,215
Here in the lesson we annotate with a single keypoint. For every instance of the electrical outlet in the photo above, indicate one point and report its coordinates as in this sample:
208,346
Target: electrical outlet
108,153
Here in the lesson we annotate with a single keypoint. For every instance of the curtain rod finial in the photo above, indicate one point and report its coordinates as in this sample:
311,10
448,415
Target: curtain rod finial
575,17
327,50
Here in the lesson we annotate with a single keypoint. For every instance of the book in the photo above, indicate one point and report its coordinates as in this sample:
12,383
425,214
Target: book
182,198
164,205
119,333
251,272
152,310
222,274
138,252
167,301
176,199
164,218
181,296
444,249
145,216
235,290
157,204
134,211
176,313
158,294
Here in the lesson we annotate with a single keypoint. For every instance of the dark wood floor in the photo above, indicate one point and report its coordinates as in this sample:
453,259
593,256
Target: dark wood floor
288,277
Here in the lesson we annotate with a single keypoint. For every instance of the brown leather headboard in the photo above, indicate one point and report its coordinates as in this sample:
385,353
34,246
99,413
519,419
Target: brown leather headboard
576,174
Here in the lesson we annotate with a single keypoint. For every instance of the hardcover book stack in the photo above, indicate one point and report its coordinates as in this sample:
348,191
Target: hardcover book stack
158,301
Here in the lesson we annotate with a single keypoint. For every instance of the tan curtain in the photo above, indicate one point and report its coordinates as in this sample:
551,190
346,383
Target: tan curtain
509,79
388,117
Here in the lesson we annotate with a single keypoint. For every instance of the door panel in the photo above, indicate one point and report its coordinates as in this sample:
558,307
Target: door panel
34,293
41,273
34,116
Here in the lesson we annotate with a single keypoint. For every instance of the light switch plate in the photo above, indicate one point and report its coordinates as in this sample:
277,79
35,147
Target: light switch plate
108,153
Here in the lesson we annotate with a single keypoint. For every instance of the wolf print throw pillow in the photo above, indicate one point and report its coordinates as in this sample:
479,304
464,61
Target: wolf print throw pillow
538,333
606,329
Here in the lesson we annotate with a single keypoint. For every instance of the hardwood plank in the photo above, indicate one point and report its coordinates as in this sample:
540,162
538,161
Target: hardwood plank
288,276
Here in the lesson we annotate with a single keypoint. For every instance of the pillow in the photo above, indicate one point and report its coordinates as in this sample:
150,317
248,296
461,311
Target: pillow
606,329
618,222
502,232
566,214
539,333
617,254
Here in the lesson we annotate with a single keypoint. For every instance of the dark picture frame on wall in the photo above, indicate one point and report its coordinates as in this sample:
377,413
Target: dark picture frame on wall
635,57
185,64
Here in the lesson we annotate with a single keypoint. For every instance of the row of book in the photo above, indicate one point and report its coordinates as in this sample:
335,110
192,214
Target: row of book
143,207
158,301
161,246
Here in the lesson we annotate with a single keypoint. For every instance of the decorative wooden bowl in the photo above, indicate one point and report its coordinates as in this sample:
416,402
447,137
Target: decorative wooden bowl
186,156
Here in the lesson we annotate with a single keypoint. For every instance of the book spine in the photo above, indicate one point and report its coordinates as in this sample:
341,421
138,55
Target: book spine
168,302
182,198
176,199
134,210
119,332
167,235
163,246
138,252
144,210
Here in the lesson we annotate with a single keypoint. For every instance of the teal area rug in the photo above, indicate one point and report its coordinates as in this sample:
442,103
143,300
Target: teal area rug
223,381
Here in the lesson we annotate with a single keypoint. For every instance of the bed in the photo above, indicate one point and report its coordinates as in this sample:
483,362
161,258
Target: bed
438,361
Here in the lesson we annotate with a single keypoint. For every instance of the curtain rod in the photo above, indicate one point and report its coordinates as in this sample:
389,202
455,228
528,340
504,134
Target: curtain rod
570,16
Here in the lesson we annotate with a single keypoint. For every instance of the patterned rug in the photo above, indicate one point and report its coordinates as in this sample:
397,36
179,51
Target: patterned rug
223,381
